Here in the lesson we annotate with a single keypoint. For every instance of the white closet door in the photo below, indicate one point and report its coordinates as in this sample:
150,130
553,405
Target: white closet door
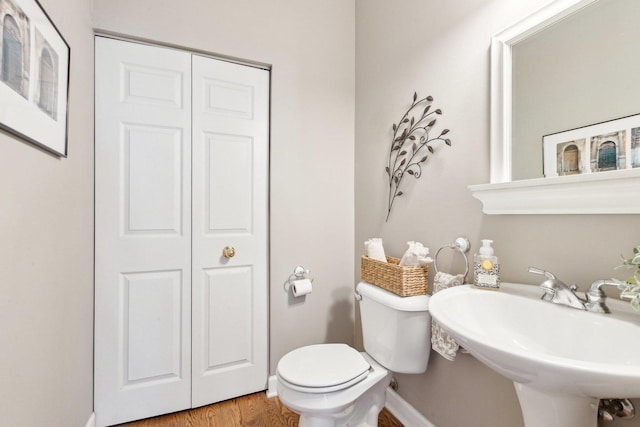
143,231
230,190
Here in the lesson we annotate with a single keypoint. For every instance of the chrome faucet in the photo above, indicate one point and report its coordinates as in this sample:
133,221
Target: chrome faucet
555,291
596,297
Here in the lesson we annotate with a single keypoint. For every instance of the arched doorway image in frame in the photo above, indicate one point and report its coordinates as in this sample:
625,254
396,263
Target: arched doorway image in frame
608,151
14,48
569,157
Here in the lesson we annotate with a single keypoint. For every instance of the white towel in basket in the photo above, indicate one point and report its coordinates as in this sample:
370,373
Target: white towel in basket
440,340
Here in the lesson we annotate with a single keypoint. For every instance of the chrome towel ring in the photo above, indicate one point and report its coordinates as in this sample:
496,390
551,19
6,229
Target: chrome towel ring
461,245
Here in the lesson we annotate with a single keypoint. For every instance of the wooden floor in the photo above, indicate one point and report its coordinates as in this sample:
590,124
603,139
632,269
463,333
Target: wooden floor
254,410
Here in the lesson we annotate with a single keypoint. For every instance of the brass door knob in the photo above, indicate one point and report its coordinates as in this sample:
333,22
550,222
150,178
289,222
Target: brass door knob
228,252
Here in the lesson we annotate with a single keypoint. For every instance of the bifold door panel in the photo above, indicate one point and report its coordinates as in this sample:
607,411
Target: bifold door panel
230,160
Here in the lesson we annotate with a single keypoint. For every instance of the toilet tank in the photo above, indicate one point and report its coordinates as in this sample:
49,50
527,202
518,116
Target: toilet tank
396,330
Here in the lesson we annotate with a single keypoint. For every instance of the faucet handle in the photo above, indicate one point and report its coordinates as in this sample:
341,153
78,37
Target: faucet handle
547,274
596,298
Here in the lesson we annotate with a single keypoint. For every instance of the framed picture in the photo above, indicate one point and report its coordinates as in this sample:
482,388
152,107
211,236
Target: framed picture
34,76
605,146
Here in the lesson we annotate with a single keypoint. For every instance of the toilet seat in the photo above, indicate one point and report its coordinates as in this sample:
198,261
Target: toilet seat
322,368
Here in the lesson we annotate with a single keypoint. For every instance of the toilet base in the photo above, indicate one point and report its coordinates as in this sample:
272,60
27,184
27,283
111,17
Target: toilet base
367,419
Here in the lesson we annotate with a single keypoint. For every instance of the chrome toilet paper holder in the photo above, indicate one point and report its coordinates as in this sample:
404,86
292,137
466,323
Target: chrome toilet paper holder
299,273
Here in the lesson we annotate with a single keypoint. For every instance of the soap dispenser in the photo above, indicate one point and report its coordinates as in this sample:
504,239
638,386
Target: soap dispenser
486,268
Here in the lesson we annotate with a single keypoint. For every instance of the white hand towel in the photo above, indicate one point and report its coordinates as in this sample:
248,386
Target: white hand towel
440,340
373,249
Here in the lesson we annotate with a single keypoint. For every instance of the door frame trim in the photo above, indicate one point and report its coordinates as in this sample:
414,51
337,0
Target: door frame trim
99,32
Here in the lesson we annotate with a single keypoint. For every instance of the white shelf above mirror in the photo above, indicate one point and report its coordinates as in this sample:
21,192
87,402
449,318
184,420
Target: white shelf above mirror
611,192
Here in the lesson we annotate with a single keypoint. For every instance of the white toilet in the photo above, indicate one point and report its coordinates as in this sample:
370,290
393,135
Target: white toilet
333,385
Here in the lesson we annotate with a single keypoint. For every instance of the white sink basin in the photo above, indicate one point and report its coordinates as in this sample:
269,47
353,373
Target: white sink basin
562,360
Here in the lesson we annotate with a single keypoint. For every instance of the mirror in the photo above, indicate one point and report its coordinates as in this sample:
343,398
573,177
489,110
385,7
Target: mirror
577,72
569,65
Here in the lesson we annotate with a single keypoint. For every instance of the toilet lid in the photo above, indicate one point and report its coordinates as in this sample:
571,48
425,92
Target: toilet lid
322,366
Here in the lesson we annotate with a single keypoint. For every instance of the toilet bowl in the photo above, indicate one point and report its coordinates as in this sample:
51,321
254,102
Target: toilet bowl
333,385
359,398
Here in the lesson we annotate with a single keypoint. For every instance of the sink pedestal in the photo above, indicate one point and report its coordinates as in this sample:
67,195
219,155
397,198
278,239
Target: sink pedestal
544,408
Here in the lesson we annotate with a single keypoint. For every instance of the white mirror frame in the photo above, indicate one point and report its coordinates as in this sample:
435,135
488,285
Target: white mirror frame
613,192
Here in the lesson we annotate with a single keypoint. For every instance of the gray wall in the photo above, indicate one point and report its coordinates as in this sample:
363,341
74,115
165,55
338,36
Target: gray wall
311,47
46,256
442,49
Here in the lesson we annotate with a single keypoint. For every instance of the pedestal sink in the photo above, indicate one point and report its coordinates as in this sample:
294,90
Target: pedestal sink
560,359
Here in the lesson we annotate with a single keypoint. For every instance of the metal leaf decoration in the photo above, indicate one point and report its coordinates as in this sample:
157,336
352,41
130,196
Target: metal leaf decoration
413,129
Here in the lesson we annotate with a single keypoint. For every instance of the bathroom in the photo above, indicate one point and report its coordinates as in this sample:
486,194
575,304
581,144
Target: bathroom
342,72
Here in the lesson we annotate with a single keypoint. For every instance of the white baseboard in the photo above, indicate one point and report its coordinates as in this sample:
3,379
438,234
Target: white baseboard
91,422
272,391
400,408
404,412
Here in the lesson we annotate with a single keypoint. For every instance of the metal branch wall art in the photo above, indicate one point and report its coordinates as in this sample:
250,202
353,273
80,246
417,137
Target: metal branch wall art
412,144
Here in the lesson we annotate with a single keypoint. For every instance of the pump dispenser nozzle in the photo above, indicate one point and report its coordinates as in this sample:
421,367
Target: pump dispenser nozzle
486,248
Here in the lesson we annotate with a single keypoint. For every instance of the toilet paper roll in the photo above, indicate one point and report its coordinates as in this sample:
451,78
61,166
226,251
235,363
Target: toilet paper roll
301,287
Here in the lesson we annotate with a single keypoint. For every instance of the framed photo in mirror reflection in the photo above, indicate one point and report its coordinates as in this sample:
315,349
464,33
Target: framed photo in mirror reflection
600,147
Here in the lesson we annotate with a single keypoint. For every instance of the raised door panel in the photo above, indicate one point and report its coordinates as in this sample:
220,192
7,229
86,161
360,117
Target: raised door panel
152,181
151,324
227,318
143,231
229,183
230,190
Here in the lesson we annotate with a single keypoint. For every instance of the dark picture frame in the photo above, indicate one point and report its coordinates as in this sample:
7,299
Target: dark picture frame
34,76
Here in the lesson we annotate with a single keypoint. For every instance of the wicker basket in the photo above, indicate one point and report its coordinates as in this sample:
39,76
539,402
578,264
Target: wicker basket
403,281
